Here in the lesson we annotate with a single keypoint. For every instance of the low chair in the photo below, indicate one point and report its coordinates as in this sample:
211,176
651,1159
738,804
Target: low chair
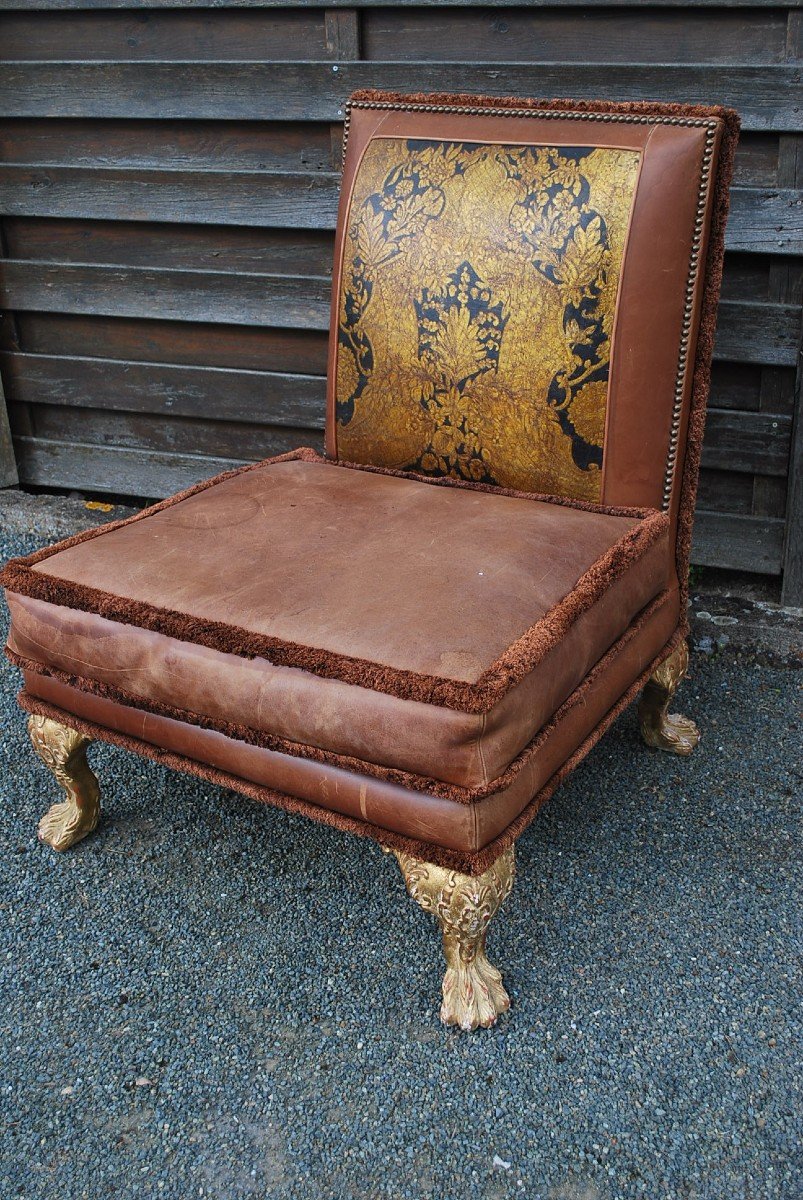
417,636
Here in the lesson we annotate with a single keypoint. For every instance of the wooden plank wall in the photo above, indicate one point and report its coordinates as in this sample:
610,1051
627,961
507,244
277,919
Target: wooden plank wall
168,188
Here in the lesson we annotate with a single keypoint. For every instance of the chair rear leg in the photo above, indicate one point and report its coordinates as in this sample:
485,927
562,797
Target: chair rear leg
660,728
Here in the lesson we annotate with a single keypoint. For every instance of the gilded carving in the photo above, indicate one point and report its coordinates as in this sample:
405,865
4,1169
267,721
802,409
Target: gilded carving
476,310
63,751
464,905
659,728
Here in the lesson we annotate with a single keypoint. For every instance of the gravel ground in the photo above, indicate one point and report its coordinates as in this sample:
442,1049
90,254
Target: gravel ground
210,998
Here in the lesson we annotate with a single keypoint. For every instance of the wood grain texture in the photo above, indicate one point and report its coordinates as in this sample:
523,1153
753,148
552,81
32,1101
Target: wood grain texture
254,347
737,543
241,248
756,443
282,301
8,465
91,5
254,198
167,33
220,394
768,97
214,145
694,34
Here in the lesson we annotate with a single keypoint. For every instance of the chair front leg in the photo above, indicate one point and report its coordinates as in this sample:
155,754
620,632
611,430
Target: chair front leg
473,993
660,728
63,750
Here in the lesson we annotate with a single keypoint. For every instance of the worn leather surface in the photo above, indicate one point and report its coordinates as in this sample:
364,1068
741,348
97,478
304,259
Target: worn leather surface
456,826
505,565
428,579
646,332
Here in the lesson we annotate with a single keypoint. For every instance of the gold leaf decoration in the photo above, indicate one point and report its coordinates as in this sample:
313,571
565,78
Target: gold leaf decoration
477,307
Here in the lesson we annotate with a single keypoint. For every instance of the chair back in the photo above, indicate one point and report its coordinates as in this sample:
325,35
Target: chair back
525,293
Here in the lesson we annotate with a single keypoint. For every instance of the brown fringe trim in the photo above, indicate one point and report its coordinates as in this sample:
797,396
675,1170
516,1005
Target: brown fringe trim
358,766
641,108
467,863
608,510
521,657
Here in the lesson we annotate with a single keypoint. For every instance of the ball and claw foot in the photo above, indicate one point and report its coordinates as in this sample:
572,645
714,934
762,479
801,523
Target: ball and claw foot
473,993
63,750
660,728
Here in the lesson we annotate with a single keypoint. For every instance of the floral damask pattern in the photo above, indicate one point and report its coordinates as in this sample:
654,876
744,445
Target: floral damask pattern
476,310
459,338
410,197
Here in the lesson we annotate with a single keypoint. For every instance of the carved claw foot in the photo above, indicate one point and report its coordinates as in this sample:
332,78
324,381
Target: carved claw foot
473,994
63,750
659,728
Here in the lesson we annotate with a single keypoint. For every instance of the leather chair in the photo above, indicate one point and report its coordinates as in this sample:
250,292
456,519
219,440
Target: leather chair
419,635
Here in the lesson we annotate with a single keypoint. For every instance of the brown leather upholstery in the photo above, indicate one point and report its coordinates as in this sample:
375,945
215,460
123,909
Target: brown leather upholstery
468,828
417,579
524,294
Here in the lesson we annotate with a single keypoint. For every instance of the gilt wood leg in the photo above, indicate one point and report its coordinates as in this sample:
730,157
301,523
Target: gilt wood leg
660,728
473,994
63,750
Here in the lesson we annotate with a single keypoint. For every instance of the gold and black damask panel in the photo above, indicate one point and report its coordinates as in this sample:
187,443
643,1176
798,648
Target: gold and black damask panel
476,310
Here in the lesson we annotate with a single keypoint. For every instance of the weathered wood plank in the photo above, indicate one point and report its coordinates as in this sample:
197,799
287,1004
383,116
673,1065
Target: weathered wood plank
747,442
160,434
196,34
186,247
548,34
283,301
177,391
250,347
793,548
756,161
737,543
733,385
342,34
789,284
745,276
725,491
766,333
8,462
124,472
768,97
217,145
766,221
51,5
256,198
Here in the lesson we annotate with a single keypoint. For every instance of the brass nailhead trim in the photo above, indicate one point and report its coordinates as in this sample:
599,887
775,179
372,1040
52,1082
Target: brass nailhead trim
688,308
708,124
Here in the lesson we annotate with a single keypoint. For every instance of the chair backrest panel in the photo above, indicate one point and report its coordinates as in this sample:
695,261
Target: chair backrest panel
517,294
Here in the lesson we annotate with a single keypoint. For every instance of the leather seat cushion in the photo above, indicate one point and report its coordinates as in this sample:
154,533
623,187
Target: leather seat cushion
415,625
